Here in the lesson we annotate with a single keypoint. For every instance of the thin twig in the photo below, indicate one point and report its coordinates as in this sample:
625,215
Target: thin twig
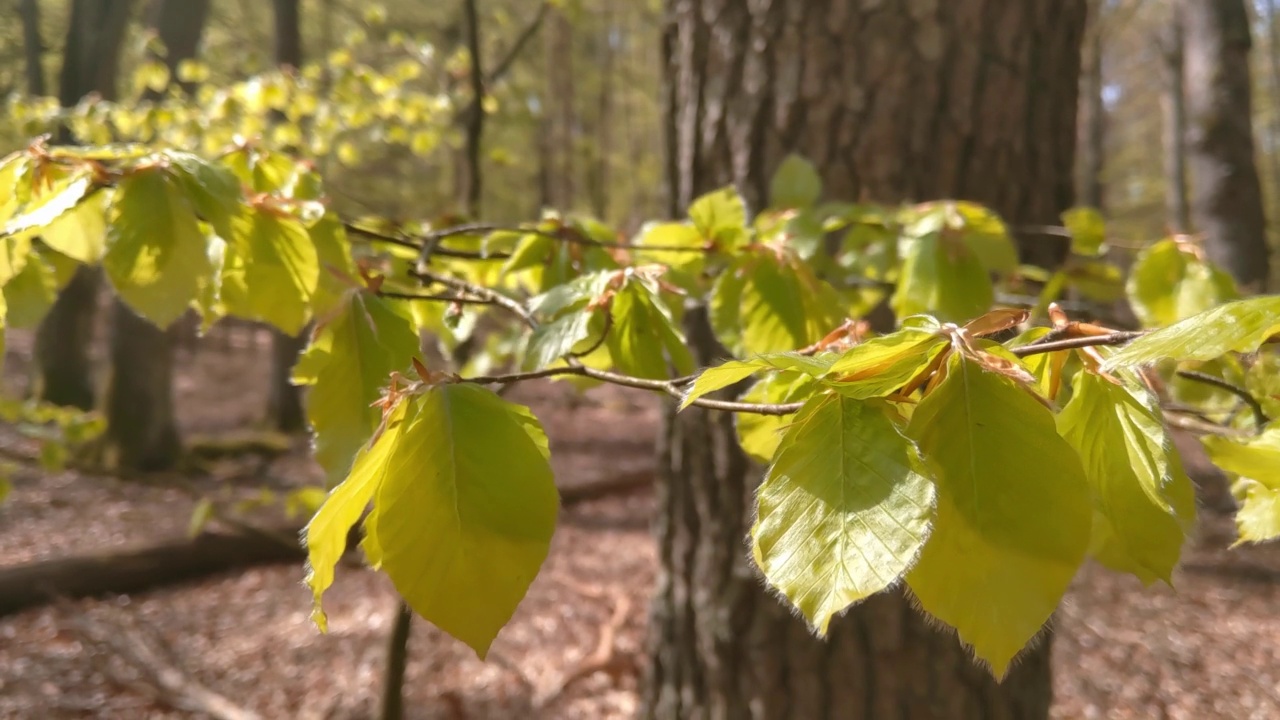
1259,414
1115,338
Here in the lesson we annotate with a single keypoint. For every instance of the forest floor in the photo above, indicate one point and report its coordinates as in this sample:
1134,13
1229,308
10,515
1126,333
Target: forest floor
1209,650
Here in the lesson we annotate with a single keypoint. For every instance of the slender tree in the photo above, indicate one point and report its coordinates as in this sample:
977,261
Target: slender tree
142,429
1092,113
1226,198
33,46
1173,105
90,63
284,400
972,99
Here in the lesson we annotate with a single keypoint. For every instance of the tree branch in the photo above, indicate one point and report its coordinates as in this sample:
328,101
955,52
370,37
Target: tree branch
1259,414
1040,346
502,66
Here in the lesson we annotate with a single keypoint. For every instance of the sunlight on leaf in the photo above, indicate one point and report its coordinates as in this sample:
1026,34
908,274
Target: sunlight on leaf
1240,326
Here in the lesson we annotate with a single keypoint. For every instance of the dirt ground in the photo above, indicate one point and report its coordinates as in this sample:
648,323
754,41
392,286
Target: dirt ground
1210,649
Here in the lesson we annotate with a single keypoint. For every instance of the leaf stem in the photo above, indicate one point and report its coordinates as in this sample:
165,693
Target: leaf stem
1259,415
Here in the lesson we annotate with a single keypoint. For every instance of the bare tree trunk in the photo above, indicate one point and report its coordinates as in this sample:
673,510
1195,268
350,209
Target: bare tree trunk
971,99
284,399
560,112
475,114
1273,64
604,118
64,369
33,46
1226,194
1173,104
1092,114
142,432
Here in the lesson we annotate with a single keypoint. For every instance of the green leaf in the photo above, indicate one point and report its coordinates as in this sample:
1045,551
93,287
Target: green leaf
795,184
759,435
941,276
577,291
985,235
760,305
333,253
213,189
81,233
270,271
1145,504
554,340
641,333
842,510
1013,511
733,371
31,293
880,366
720,216
325,536
349,361
1087,229
47,204
1257,461
156,256
462,529
1167,284
1240,326
689,263
14,251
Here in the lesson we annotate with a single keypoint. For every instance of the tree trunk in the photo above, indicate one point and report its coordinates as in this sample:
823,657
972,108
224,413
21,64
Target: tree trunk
142,432
972,99
1226,195
63,367
1173,104
1092,114
284,399
33,46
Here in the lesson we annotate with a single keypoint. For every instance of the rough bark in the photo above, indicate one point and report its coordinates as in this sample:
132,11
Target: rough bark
973,99
33,46
284,399
1173,105
1226,199
63,367
142,432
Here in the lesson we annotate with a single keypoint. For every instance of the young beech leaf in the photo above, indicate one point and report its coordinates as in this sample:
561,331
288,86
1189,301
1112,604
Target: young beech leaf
213,189
1168,284
643,336
1013,511
466,506
156,255
1240,326
325,536
81,233
47,203
759,435
760,305
795,184
1144,501
14,251
720,216
942,276
1088,230
31,293
882,365
552,341
349,361
842,511
733,371
1257,460
270,270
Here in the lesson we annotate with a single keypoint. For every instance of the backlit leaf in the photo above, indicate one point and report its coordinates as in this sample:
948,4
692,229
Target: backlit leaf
720,216
156,255
842,510
941,276
1145,503
759,435
552,341
81,233
734,371
1088,230
880,366
1240,326
270,270
213,189
30,293
1257,461
462,529
1013,511
349,361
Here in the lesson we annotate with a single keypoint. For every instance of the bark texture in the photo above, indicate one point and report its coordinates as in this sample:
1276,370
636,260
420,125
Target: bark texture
1226,199
971,99
1093,114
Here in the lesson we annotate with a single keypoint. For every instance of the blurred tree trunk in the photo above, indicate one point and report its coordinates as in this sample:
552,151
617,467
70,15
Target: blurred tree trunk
284,399
1226,196
33,46
1173,104
1093,114
1273,64
473,180
142,432
63,367
601,177
972,99
559,111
